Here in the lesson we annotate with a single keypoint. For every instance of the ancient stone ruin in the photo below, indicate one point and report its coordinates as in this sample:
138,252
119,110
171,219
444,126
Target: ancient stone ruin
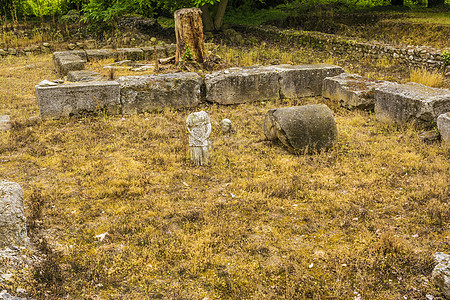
13,230
199,128
302,128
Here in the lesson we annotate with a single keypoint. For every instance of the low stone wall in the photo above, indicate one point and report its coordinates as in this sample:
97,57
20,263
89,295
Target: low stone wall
137,94
66,61
411,55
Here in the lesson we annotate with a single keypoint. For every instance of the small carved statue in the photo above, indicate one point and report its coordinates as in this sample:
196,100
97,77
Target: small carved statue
199,127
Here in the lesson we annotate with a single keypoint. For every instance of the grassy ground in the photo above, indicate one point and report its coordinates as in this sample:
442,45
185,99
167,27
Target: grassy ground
258,223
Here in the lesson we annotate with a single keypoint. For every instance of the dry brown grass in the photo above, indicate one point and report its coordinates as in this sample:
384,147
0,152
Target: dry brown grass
257,223
432,78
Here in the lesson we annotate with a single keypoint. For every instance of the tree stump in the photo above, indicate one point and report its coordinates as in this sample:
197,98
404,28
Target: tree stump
189,35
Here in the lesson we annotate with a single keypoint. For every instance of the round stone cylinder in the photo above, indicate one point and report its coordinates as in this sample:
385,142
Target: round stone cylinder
302,128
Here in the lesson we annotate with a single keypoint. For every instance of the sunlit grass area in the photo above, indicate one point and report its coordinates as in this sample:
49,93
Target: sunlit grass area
127,216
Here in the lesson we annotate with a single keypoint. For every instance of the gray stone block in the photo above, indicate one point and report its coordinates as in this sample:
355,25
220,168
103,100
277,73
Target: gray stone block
302,128
443,124
67,61
297,81
83,75
13,230
98,54
399,103
130,53
351,90
156,92
243,85
149,52
74,99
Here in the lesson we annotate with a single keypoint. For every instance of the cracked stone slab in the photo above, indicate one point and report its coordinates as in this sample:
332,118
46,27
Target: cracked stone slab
351,90
74,99
400,103
156,92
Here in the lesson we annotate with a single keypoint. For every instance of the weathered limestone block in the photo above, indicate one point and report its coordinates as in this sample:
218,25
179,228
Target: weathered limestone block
68,61
149,52
351,90
73,99
155,92
98,54
199,128
298,81
401,103
5,123
83,75
443,124
13,230
302,128
130,53
441,273
242,85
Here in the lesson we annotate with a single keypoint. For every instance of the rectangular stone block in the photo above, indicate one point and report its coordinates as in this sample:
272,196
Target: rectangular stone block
67,61
401,103
351,90
243,85
297,81
74,99
83,75
98,54
149,52
130,53
156,92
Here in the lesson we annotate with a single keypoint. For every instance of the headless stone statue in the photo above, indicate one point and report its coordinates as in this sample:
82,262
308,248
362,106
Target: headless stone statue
199,127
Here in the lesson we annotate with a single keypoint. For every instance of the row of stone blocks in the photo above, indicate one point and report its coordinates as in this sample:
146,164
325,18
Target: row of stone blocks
66,61
392,102
137,94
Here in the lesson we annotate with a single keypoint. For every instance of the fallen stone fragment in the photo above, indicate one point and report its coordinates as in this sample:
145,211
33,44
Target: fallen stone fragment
83,75
74,99
226,125
156,92
443,124
441,273
5,123
46,82
302,128
13,230
400,103
351,90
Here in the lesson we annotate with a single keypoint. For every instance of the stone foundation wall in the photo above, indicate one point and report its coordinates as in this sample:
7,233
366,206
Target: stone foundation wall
414,56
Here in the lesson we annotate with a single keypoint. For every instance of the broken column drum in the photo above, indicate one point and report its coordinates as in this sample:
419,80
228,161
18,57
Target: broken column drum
302,128
199,127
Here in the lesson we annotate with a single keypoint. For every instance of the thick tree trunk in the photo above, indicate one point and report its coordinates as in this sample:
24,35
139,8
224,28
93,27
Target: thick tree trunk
208,23
189,35
218,18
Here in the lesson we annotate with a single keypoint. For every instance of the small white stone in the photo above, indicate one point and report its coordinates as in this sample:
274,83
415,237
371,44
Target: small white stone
47,83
